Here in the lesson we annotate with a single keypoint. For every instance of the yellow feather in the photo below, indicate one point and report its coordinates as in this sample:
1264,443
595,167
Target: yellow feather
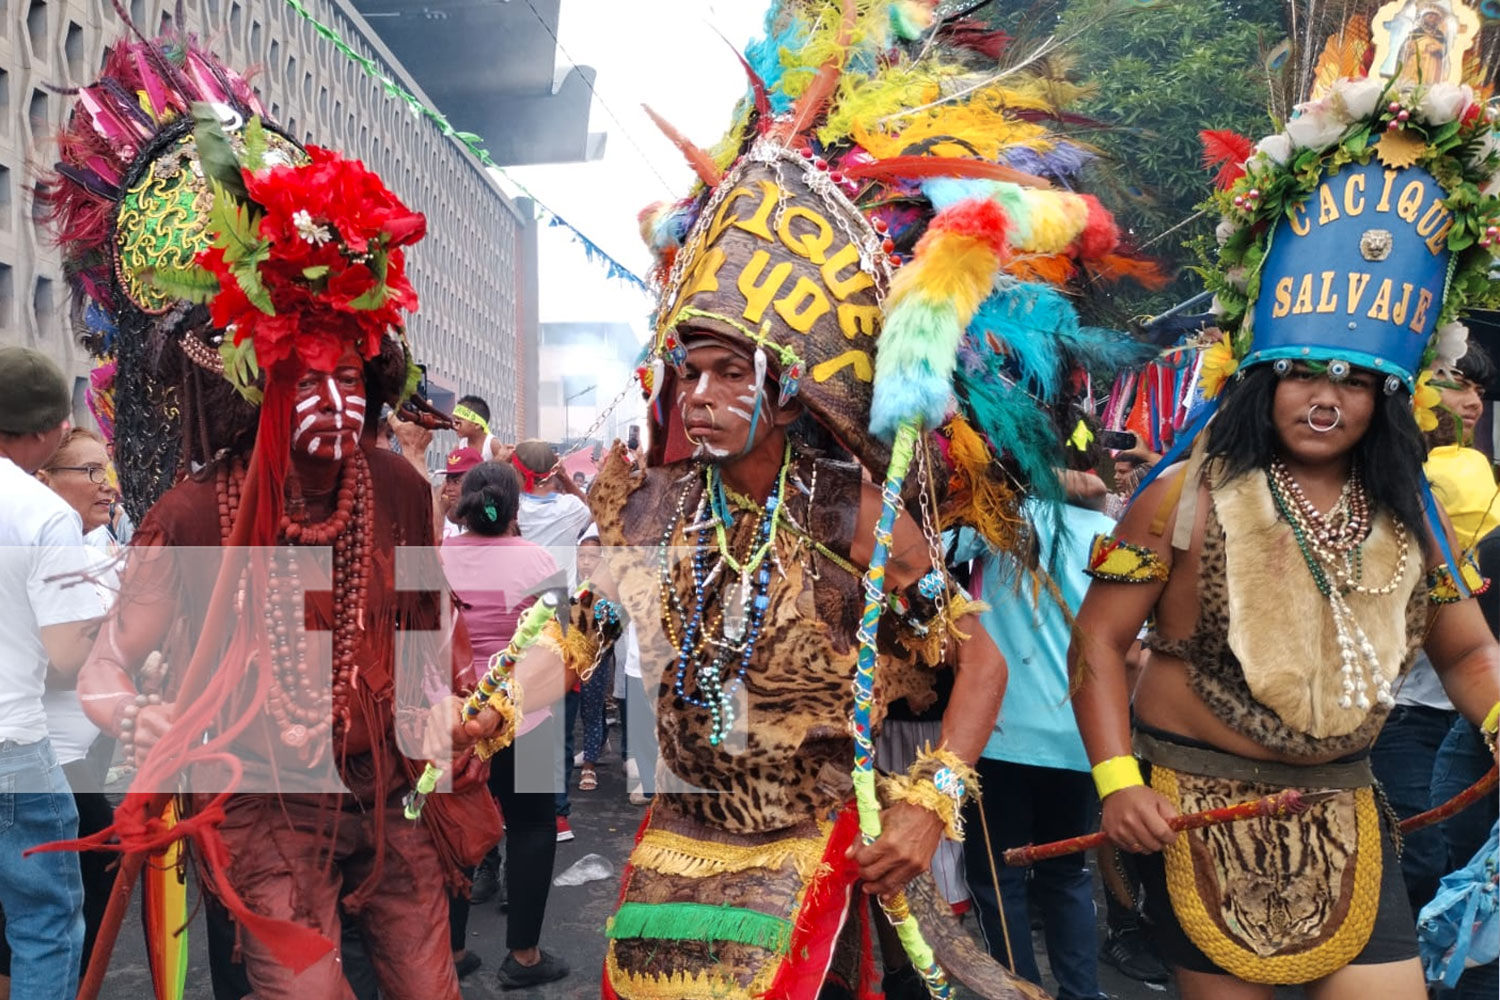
1053,220
1342,56
951,268
976,499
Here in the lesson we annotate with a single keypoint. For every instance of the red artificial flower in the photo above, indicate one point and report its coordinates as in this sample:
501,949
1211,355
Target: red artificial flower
326,221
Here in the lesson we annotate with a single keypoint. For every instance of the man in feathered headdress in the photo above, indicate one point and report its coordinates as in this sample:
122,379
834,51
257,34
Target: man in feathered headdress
809,336
252,292
1296,562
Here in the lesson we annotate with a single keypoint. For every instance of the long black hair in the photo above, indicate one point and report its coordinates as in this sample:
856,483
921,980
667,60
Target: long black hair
490,498
1390,455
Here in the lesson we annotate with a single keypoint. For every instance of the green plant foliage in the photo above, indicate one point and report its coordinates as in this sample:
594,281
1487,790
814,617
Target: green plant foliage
1161,73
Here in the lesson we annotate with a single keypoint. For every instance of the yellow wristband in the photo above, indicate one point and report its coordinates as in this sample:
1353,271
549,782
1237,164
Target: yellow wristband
1492,721
1116,773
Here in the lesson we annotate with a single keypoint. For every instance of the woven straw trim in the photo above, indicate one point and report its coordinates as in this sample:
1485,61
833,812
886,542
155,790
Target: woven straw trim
1318,961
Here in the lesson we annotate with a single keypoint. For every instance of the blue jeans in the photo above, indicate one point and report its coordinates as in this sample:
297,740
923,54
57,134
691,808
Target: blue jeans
1032,805
1462,760
1403,758
43,894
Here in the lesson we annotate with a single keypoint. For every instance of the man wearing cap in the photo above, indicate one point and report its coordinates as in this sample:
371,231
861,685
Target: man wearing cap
460,461
47,629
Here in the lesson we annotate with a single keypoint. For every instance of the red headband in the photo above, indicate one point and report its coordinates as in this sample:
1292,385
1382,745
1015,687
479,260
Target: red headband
529,479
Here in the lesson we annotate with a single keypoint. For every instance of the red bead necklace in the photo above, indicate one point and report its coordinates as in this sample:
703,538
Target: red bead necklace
295,702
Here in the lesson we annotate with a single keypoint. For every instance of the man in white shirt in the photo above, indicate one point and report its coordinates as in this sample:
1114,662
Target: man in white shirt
554,511
50,614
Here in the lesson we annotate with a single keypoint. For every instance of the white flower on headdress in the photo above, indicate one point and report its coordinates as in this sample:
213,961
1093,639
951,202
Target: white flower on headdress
1225,229
1443,102
1358,97
310,231
1216,306
1238,278
1276,148
1452,341
1316,128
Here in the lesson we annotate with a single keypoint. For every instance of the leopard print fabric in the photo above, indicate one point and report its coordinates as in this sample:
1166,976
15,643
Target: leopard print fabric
1218,679
790,752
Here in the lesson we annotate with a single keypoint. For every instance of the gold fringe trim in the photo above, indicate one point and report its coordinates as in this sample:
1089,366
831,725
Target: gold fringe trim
675,854
1316,962
508,705
578,649
677,986
929,648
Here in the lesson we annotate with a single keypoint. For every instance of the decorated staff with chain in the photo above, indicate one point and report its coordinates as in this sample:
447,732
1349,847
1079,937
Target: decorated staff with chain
840,252
1295,562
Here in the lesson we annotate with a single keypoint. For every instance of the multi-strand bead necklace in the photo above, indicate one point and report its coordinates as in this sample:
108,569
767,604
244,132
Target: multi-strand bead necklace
717,638
1332,546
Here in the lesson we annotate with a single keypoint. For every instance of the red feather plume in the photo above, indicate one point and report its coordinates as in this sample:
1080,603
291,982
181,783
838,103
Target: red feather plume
816,97
703,165
897,167
1228,151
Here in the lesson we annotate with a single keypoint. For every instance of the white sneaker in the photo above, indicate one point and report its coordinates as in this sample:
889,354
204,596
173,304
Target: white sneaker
578,759
634,788
632,771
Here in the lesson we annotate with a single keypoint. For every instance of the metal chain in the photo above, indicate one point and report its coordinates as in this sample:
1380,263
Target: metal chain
599,421
927,502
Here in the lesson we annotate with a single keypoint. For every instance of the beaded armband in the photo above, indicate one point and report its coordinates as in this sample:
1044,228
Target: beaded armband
506,701
939,781
1115,560
1441,588
928,611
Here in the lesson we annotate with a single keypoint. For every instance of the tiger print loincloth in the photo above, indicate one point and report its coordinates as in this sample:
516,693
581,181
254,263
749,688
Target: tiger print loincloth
1276,899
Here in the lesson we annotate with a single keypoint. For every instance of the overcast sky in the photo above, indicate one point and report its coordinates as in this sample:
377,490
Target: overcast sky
662,52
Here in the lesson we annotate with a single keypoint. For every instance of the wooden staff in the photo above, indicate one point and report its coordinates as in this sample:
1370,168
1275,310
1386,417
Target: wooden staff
1289,802
1463,800
1286,803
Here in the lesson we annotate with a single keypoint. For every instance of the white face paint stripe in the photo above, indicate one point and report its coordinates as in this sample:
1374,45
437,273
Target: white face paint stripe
307,422
338,448
307,404
333,393
353,401
312,446
702,384
742,414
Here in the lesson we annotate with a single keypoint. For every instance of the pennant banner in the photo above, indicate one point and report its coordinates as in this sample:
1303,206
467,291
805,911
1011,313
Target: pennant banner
474,143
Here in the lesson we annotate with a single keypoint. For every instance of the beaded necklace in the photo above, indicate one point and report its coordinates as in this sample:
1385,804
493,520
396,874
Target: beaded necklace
295,703
1332,547
720,647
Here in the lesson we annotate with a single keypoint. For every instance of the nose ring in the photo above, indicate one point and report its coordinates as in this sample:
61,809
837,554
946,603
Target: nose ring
1312,411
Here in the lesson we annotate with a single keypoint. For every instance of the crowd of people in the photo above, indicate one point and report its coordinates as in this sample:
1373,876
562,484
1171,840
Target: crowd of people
876,607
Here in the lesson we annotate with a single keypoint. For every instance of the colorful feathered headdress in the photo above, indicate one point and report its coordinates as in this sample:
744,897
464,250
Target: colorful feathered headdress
890,225
126,200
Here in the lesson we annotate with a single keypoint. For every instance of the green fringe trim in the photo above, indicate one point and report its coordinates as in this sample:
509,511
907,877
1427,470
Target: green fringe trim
701,922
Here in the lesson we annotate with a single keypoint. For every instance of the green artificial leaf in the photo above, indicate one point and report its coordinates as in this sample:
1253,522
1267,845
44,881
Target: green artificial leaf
1459,238
241,367
1445,132
413,377
314,273
190,284
236,228
247,275
215,153
255,144
1356,143
374,298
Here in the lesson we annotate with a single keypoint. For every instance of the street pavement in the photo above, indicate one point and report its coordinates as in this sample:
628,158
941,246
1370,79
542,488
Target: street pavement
604,823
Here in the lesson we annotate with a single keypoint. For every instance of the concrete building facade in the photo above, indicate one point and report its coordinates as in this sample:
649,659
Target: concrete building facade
470,272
